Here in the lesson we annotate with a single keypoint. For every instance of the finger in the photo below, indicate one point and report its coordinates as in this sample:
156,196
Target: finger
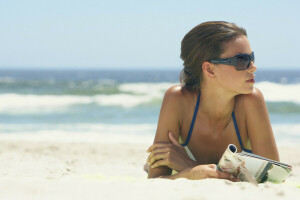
150,149
158,156
213,166
215,173
173,140
158,151
160,163
157,145
218,174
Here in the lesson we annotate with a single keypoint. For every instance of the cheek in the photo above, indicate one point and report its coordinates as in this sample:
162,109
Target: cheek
228,78
234,82
239,85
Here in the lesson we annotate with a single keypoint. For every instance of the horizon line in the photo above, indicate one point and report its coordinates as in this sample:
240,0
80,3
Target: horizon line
125,68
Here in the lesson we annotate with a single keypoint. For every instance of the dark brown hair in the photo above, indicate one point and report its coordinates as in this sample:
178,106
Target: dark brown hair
204,42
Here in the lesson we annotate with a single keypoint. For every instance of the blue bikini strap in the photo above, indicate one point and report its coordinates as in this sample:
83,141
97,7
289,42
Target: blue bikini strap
238,134
193,121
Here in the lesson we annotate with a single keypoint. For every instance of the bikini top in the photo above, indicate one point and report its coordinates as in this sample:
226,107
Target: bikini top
193,121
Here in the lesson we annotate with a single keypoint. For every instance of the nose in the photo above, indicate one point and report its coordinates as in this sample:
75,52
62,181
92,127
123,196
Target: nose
252,68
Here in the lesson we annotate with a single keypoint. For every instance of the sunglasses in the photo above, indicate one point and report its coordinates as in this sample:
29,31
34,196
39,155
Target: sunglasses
240,61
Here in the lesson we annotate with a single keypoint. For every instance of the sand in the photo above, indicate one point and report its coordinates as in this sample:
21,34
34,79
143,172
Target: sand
100,167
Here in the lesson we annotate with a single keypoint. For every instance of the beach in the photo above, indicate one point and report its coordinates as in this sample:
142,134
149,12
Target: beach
91,167
82,84
84,135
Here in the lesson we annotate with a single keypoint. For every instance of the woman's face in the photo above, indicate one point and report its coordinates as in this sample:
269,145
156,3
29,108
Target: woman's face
227,76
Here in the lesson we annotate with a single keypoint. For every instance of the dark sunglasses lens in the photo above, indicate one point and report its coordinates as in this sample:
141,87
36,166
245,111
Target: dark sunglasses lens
242,62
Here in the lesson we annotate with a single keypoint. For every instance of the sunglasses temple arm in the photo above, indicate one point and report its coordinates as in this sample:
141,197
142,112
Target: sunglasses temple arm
225,61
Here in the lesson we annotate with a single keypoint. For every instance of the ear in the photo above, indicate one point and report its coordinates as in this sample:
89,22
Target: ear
208,69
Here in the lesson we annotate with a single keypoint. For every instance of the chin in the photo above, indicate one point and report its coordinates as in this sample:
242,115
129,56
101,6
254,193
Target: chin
247,90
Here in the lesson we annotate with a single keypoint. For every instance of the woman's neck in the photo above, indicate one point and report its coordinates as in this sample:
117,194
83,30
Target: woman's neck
216,105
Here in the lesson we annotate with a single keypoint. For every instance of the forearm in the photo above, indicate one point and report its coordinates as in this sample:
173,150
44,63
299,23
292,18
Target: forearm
159,171
182,174
165,172
201,172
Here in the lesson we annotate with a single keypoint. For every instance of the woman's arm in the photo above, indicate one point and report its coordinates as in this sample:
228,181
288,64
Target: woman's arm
202,172
259,126
169,120
172,155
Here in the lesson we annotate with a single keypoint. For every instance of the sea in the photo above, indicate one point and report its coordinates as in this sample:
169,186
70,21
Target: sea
120,102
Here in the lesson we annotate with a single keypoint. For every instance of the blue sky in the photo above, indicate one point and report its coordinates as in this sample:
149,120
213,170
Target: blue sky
139,34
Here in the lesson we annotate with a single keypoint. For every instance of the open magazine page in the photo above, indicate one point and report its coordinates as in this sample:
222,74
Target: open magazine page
253,168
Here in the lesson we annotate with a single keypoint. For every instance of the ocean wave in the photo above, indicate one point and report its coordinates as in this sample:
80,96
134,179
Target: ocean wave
29,104
7,80
154,89
274,92
130,95
287,133
279,98
79,128
58,87
287,130
101,133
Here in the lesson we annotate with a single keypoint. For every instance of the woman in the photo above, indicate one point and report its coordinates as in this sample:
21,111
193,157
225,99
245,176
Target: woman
217,85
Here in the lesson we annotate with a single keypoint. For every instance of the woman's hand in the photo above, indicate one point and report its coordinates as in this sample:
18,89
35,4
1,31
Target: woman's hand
171,155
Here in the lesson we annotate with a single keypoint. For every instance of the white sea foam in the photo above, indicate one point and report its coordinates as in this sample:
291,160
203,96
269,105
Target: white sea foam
80,128
103,133
287,134
141,93
273,92
134,94
153,89
280,92
7,79
123,100
20,104
16,104
130,95
287,130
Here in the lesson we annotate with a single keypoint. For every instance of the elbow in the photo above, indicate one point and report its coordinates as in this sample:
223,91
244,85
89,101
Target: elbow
153,175
160,172
150,176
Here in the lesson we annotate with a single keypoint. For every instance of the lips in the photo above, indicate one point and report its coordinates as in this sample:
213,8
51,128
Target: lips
251,80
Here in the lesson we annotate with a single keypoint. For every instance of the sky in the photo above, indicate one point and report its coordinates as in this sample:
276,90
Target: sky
128,34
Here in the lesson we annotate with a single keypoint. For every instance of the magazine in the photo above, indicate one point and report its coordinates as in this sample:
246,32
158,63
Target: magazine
253,168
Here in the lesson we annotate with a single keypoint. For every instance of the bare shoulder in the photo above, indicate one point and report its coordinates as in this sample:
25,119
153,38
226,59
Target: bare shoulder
258,126
177,90
253,100
176,94
174,91
176,100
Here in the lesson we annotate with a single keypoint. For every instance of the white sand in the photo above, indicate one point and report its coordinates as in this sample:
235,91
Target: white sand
96,167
